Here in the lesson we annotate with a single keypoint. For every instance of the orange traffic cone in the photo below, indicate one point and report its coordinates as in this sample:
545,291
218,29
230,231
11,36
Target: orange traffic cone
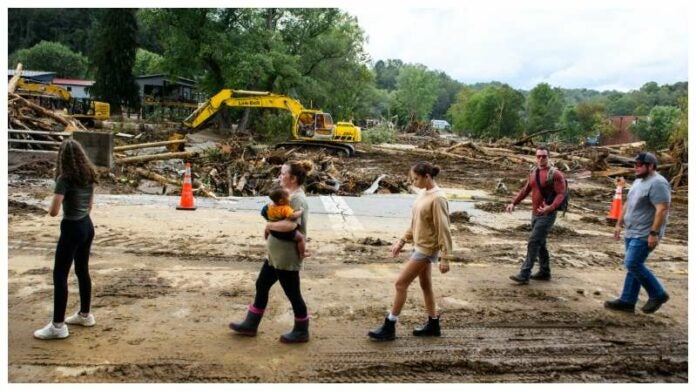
617,203
187,202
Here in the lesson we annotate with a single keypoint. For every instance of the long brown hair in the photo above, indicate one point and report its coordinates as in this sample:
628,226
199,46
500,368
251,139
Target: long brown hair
72,164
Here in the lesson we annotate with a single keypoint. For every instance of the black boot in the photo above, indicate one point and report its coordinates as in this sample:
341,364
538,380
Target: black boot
620,305
249,326
299,333
431,328
386,332
541,276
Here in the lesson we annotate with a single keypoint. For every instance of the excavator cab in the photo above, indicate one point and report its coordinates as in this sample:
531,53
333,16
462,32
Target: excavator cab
324,126
305,125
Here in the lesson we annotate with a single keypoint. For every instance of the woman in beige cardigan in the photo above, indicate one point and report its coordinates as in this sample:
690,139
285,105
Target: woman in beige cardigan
432,241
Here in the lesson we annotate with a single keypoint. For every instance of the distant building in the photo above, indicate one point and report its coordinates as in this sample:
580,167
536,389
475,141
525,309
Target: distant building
162,88
164,97
623,134
77,87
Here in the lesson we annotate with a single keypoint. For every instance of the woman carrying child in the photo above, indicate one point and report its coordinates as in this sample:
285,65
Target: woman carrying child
283,262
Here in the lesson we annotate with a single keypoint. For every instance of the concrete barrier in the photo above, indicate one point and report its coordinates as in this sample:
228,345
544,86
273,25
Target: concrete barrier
99,146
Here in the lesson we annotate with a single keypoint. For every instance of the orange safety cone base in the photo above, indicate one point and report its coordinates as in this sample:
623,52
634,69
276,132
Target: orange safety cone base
185,208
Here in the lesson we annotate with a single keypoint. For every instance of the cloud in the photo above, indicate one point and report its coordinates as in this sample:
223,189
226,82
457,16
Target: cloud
593,47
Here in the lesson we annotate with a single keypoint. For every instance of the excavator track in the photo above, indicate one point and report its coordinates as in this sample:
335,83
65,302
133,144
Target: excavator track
340,149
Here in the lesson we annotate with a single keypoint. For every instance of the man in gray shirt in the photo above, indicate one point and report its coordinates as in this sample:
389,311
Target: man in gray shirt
645,218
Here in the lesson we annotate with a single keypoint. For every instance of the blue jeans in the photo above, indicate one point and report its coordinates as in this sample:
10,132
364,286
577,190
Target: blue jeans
638,274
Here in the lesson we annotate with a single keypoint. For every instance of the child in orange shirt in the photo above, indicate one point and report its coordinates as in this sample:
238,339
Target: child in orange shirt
279,209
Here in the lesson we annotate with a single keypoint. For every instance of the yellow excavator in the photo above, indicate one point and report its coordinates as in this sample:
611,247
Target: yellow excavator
310,127
52,96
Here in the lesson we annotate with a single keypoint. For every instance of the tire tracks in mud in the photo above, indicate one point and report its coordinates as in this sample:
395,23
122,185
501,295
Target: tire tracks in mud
510,353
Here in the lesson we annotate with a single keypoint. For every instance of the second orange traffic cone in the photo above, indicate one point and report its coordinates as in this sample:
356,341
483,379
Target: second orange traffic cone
617,203
186,202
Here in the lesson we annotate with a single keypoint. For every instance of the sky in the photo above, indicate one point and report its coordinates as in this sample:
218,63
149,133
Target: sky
602,45
612,45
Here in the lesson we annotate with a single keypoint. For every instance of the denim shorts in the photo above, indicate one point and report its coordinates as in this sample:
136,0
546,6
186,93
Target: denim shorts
418,256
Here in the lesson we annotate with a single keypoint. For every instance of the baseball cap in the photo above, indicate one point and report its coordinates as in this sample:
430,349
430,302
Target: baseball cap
646,157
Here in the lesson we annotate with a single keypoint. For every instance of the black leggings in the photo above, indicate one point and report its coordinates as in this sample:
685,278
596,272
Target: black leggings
289,281
74,244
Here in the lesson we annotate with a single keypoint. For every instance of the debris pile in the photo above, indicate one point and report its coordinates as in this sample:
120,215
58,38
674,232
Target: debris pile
34,127
235,169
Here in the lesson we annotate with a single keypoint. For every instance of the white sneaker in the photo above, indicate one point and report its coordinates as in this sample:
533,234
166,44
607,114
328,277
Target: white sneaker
51,332
78,319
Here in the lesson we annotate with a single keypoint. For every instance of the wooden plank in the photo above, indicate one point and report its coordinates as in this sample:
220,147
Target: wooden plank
156,157
33,151
147,145
31,141
32,132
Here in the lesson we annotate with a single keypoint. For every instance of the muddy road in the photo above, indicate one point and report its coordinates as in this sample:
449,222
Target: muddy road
167,282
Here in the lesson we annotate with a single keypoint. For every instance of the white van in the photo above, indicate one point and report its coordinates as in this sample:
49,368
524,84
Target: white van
440,125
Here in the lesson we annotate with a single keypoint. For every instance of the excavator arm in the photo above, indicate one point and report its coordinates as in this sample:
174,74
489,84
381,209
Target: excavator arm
243,98
51,90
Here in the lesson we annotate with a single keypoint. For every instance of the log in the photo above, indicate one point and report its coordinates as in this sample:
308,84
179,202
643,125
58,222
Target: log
156,177
157,157
229,180
527,138
146,145
625,145
168,181
12,84
41,110
468,144
613,172
620,159
242,182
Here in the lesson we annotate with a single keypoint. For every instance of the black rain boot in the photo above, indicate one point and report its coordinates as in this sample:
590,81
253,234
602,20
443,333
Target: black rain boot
299,333
431,328
249,326
386,332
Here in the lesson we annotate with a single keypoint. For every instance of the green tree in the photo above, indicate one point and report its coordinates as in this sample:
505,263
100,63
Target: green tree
592,119
417,90
457,111
113,57
386,73
446,95
622,105
494,112
544,107
572,130
658,128
681,129
51,56
314,55
71,27
147,63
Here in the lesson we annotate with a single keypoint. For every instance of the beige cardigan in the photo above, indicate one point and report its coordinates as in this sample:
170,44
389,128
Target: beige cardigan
429,230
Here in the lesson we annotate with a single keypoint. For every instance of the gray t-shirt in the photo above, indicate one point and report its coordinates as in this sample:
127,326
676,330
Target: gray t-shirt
76,198
283,255
640,205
